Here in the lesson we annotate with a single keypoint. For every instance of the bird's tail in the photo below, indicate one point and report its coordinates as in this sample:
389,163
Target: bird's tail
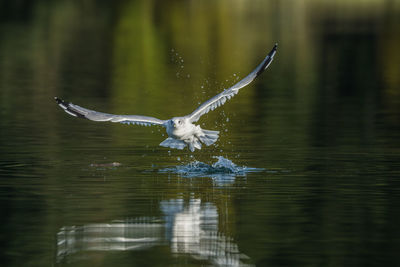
209,137
173,143
205,136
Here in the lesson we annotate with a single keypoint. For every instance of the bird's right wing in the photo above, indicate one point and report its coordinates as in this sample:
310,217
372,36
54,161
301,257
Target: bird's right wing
227,94
81,112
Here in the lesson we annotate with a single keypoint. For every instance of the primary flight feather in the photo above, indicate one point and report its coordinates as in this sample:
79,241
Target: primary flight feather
181,130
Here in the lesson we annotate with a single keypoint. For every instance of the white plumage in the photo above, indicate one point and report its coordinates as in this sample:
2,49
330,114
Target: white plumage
181,130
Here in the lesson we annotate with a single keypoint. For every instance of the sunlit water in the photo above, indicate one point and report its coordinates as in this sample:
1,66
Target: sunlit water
306,169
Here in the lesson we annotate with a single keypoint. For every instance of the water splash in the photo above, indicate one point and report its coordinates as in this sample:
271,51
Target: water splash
223,171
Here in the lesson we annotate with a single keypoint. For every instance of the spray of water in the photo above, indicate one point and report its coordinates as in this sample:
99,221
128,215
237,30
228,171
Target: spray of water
223,171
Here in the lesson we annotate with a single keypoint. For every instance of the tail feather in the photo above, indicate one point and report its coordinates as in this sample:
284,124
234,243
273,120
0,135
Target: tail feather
173,143
209,137
194,144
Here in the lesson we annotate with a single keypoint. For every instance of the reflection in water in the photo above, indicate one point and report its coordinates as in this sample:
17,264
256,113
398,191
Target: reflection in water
102,237
189,228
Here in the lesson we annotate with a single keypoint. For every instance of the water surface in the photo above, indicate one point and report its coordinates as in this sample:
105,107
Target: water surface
306,170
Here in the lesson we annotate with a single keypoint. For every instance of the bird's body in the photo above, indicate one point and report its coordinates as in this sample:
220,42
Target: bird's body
181,131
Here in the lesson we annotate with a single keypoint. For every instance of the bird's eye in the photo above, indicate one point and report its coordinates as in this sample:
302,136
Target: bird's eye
180,122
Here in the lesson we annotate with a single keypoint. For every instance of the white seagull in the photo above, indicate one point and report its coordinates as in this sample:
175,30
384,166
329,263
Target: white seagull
181,130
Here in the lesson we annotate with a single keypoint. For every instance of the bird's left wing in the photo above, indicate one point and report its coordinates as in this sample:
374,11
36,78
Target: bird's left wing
227,94
81,112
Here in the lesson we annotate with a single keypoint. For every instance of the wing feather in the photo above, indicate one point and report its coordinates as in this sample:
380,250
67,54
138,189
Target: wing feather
78,111
227,94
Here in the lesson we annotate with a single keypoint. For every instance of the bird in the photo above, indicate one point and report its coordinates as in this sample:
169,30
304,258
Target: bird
182,132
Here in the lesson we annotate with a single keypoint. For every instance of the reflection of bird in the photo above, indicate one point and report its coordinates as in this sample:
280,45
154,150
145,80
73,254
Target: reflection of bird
181,130
188,228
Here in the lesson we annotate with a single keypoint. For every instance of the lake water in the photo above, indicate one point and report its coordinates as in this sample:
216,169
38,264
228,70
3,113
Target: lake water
306,171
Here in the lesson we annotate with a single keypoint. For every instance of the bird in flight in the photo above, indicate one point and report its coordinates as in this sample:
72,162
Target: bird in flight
181,131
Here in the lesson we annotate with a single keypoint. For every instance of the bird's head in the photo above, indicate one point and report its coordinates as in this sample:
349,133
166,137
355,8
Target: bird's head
178,122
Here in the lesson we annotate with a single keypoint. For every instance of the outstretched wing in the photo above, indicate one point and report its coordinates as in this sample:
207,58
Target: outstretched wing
227,94
81,112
